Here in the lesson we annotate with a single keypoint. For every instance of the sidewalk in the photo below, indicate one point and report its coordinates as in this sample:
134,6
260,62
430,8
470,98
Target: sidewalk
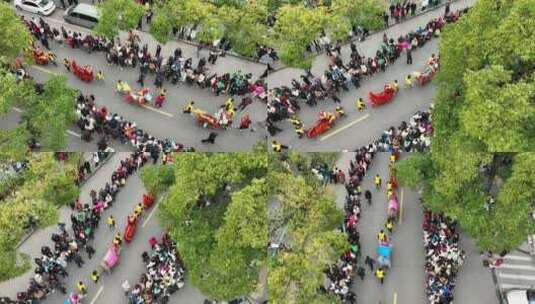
33,244
474,282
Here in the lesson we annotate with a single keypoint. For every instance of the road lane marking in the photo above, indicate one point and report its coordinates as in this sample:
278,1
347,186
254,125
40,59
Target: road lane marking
515,266
517,257
97,295
74,133
345,127
17,109
395,300
524,278
44,70
152,212
158,111
401,208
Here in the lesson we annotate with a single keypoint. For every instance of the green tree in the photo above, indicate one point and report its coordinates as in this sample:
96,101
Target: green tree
157,179
460,184
366,13
485,82
296,27
48,115
118,15
14,37
311,243
222,243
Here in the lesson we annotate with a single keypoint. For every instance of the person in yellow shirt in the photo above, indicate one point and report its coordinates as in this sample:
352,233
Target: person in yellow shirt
395,85
229,104
389,194
389,225
99,76
95,276
81,287
377,181
392,158
389,186
295,122
300,131
340,111
117,241
381,236
188,108
360,104
408,81
111,222
277,146
138,209
380,274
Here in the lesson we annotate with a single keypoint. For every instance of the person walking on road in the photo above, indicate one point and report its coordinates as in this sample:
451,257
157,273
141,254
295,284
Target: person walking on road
361,272
95,276
90,251
409,55
381,236
389,225
111,222
210,139
380,274
361,105
126,287
370,262
81,287
377,181
278,147
368,196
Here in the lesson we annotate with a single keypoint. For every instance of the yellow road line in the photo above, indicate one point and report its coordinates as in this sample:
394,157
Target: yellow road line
158,111
395,300
401,208
345,127
44,70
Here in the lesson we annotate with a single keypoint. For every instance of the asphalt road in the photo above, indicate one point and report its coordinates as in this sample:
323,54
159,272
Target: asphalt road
168,121
108,289
404,282
360,128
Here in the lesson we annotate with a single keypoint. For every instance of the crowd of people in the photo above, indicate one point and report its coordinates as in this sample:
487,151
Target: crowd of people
341,274
443,257
175,68
414,136
94,119
69,246
164,276
286,101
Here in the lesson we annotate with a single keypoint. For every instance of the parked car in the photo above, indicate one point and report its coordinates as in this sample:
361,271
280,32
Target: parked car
41,7
82,14
521,296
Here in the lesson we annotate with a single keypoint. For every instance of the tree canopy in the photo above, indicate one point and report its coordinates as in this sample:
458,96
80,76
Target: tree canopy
461,185
116,15
311,243
45,116
14,37
216,212
486,82
44,186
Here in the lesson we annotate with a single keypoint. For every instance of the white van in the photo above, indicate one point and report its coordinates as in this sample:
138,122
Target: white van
82,14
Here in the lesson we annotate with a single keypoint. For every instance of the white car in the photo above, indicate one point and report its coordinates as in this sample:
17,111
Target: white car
521,296
41,7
